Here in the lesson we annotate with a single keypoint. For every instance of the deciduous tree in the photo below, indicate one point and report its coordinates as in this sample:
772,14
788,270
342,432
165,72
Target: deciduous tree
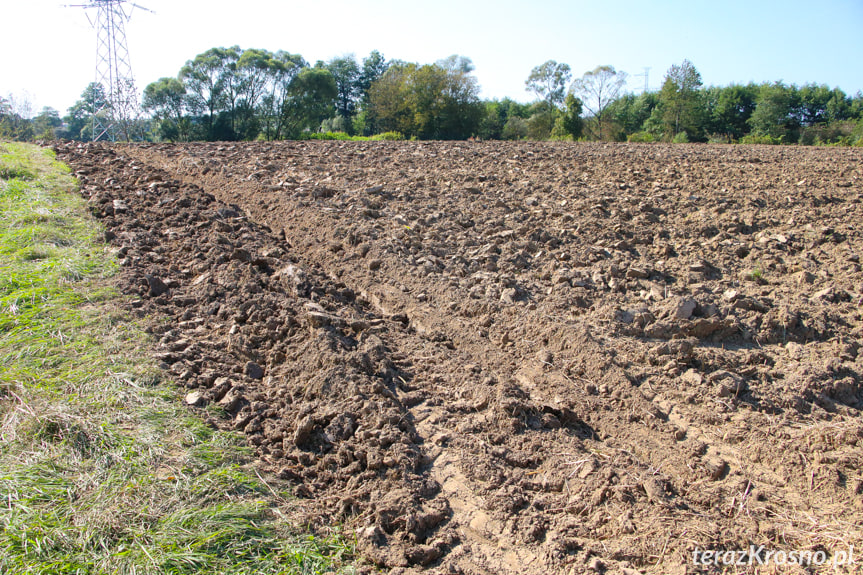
549,81
347,73
166,100
284,69
427,102
730,108
251,76
775,113
15,113
820,105
47,124
628,114
573,123
681,106
79,121
496,116
597,89
373,68
311,97
205,79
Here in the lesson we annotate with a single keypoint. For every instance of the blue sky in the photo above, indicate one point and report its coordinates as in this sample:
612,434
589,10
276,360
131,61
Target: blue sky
49,50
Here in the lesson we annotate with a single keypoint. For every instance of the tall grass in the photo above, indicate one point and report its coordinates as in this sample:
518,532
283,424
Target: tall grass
102,470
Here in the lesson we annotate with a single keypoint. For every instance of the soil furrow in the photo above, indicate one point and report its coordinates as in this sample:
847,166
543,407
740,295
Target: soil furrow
531,358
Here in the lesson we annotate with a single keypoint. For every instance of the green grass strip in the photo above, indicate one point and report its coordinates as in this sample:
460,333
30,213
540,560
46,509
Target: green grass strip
102,469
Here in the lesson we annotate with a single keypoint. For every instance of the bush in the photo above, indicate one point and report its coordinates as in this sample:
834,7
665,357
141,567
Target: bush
681,138
390,136
832,134
641,137
515,129
720,139
328,136
561,130
539,125
761,139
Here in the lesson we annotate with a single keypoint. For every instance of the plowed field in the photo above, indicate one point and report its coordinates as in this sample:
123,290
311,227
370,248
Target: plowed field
516,358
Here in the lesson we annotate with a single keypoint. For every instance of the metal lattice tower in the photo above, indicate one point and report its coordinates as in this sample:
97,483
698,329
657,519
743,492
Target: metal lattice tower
115,115
646,79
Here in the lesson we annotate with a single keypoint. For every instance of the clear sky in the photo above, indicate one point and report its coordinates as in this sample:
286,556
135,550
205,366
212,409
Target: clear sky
48,51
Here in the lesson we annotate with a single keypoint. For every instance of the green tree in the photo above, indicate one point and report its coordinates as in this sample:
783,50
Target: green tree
814,100
166,100
346,73
627,114
252,76
730,109
573,123
548,82
388,108
205,79
682,105
47,124
493,120
434,101
459,109
240,93
311,97
425,88
373,68
496,115
597,89
541,121
274,115
515,129
838,106
855,107
232,90
80,119
15,115
776,112
821,105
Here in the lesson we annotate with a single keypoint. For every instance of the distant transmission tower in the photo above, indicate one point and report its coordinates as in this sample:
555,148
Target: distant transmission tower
116,112
646,78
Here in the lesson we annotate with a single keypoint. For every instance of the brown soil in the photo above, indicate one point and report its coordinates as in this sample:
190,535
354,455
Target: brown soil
516,358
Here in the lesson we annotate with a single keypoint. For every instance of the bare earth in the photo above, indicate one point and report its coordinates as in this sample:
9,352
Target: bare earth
526,358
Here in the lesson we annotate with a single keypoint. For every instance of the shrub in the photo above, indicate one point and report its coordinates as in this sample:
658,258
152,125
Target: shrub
641,137
832,134
515,129
681,138
328,136
761,139
720,139
390,136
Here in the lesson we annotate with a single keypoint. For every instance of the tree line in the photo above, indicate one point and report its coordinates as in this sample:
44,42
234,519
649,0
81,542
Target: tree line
233,94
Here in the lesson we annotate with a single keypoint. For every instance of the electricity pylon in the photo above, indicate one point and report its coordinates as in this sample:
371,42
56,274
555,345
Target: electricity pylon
116,113
646,79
